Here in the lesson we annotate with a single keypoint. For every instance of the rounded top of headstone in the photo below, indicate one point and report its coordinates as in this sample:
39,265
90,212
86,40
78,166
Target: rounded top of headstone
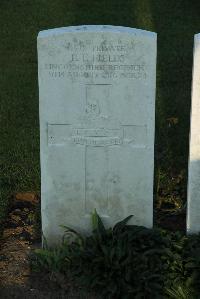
96,28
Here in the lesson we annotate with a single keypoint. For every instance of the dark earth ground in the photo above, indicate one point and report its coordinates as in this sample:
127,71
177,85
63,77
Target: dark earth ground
19,240
21,237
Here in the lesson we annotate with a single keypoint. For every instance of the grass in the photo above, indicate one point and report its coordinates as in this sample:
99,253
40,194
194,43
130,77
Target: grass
176,22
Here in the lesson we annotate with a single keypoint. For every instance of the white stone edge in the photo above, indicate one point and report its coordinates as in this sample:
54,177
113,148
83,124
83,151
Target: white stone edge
96,28
188,226
196,36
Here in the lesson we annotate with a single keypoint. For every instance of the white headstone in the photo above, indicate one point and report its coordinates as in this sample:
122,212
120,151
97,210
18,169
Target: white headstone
97,102
193,205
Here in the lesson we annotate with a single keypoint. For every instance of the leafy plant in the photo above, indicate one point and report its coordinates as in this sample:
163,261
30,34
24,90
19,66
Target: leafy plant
50,259
127,261
180,292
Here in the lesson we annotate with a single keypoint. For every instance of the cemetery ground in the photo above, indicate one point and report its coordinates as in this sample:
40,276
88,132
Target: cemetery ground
176,22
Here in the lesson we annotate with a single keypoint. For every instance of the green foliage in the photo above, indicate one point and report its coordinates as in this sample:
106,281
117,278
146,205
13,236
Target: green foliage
191,262
50,259
180,292
127,261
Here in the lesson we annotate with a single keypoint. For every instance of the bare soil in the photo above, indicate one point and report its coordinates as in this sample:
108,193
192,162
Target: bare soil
16,246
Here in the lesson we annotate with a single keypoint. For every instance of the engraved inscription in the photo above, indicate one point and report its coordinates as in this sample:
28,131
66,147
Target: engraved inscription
98,58
96,132
67,134
97,107
98,141
97,101
89,70
105,46
106,60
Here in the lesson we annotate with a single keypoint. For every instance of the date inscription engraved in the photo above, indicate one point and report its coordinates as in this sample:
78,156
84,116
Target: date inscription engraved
60,134
97,141
63,134
96,132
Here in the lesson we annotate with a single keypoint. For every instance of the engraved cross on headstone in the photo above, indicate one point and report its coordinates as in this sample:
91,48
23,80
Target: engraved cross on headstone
99,135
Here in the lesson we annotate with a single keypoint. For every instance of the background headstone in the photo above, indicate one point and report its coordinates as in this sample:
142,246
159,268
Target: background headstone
193,204
97,103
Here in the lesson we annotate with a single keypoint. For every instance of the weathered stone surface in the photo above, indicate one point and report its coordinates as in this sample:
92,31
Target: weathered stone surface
97,98
193,206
